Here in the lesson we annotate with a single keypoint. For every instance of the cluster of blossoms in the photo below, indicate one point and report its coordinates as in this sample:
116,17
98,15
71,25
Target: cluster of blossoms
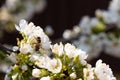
100,33
14,10
36,58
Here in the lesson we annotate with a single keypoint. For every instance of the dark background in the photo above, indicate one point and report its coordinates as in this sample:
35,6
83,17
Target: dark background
64,14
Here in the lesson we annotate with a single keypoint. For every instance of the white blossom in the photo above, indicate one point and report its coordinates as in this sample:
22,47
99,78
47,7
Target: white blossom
85,25
54,65
24,27
115,6
26,48
42,62
83,43
11,4
13,57
32,31
110,17
36,72
58,49
88,73
38,32
15,48
82,56
76,30
103,71
24,67
49,30
69,50
72,52
93,22
67,34
73,75
96,41
4,67
34,57
28,7
113,47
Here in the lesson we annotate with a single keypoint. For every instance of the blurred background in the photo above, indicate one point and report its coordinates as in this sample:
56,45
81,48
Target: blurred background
58,14
64,14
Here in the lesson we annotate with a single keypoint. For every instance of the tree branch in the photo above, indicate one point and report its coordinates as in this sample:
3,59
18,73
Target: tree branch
6,50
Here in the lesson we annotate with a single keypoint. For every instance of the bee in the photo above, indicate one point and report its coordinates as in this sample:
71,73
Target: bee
37,45
38,39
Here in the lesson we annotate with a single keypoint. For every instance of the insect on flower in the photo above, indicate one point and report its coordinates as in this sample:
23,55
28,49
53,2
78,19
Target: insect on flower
37,44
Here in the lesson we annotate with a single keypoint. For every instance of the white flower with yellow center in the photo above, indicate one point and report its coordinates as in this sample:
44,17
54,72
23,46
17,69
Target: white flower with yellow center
54,65
32,34
103,71
72,52
69,50
82,56
42,61
58,49
44,40
88,73
26,48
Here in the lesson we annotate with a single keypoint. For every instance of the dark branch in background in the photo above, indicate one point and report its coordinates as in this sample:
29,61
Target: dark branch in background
6,50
